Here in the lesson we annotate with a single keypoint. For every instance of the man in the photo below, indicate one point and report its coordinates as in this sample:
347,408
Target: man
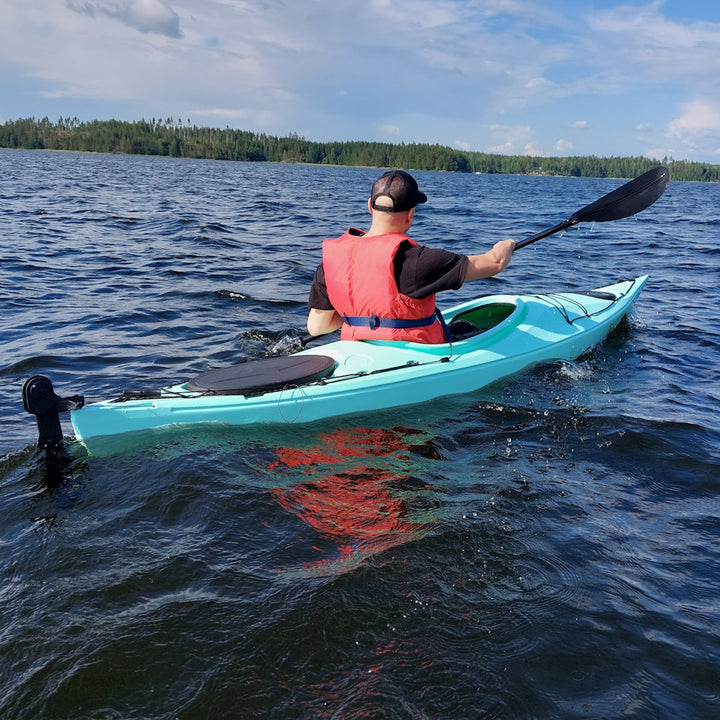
381,284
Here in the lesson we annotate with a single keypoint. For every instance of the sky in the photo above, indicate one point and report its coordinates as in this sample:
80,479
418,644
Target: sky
516,77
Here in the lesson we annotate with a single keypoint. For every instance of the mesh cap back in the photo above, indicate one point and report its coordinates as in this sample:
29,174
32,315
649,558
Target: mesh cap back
401,188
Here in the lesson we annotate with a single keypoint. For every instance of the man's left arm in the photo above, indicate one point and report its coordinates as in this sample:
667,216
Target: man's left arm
322,318
321,322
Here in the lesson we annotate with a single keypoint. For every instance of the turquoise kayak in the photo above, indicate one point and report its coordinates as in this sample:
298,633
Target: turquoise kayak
501,335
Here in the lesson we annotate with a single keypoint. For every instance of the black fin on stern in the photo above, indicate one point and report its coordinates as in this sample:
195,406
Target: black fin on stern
40,400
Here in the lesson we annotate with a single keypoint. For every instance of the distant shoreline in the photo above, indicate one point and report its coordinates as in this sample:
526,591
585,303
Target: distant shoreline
174,139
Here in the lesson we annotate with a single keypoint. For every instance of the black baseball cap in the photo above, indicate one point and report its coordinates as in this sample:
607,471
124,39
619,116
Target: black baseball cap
401,188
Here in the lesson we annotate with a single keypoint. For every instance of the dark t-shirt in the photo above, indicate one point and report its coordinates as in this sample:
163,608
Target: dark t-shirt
419,271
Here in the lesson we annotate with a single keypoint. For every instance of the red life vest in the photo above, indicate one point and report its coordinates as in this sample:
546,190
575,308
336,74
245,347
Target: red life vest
360,280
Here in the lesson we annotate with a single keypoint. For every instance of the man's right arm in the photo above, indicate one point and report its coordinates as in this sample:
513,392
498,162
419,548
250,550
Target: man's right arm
490,263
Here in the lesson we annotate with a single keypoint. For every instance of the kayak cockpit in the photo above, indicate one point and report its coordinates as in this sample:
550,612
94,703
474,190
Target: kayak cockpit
471,325
480,319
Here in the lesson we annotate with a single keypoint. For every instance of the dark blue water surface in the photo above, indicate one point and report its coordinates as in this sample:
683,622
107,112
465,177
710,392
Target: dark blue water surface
546,548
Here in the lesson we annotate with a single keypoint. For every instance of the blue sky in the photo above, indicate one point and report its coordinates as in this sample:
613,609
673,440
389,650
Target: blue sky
539,77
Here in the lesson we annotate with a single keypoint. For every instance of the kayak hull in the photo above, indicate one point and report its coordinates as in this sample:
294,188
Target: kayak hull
376,375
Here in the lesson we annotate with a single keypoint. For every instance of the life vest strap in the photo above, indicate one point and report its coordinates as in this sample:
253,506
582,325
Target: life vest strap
374,322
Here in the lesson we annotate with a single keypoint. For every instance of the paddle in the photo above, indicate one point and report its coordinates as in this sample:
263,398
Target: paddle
623,202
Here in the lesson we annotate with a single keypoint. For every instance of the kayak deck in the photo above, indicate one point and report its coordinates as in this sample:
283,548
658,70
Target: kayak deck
512,333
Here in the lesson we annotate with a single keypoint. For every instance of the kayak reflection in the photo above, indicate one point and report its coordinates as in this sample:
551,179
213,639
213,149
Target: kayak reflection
362,491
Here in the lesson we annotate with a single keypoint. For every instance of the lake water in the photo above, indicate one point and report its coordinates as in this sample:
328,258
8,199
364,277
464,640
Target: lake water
548,547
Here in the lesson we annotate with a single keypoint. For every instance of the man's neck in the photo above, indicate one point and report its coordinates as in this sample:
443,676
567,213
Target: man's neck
384,223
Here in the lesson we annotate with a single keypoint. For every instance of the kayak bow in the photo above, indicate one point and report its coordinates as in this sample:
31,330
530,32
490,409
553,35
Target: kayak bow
504,334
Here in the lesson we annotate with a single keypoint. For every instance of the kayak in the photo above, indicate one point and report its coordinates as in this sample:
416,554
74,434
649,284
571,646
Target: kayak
498,336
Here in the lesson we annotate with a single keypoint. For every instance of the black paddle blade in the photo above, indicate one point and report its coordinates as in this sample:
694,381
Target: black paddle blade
629,199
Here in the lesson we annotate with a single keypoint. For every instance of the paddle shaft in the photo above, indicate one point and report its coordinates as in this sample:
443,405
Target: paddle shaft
627,200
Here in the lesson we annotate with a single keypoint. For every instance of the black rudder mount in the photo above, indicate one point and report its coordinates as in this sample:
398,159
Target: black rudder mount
40,400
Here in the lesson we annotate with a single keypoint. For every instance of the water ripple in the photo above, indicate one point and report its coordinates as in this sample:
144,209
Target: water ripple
544,548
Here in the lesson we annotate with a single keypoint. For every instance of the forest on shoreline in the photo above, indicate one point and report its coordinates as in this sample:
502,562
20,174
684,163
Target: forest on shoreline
173,138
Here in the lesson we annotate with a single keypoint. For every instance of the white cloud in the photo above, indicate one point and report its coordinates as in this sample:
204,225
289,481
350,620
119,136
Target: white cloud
696,131
698,116
513,140
425,13
694,135
148,16
581,124
563,147
151,73
538,84
531,150
388,129
654,48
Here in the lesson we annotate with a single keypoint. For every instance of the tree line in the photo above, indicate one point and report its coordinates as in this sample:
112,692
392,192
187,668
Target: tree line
174,138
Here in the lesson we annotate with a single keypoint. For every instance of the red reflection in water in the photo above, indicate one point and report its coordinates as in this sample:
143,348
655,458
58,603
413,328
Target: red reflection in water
358,492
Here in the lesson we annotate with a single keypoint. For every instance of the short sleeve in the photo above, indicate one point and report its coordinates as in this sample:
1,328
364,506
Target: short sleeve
421,271
318,297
